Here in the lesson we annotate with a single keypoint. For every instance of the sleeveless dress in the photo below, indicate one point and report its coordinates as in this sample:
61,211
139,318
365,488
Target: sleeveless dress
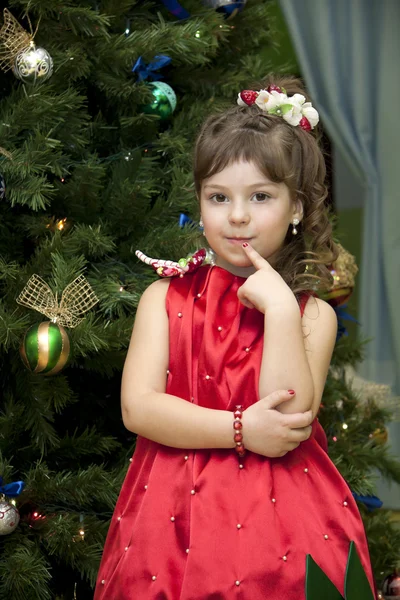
205,524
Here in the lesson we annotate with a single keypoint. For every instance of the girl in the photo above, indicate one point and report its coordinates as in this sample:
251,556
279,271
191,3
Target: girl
230,493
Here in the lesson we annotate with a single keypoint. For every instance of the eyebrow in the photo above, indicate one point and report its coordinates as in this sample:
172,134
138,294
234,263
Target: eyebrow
253,185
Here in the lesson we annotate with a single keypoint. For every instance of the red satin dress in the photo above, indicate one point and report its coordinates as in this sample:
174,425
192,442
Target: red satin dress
205,524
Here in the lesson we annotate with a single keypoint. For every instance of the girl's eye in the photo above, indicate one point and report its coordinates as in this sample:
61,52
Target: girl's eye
261,197
219,198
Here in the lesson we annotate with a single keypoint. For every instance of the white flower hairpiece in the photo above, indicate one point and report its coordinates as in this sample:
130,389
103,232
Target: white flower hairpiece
274,100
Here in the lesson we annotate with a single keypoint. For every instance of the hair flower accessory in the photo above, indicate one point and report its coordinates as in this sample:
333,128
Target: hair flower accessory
169,268
274,100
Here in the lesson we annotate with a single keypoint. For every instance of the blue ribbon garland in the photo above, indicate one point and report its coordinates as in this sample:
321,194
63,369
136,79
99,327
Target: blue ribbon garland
12,490
343,315
145,71
185,220
231,9
176,9
371,502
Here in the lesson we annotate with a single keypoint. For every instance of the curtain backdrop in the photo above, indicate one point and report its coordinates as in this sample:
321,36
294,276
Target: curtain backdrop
348,52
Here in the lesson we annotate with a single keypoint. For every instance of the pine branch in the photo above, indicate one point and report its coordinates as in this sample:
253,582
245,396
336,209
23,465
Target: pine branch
85,443
90,240
83,490
80,20
12,328
82,555
24,571
8,271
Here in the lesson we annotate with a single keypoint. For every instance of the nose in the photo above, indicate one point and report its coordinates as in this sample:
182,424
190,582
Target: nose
239,213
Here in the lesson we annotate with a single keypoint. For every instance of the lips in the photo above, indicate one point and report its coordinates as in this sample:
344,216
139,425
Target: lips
238,241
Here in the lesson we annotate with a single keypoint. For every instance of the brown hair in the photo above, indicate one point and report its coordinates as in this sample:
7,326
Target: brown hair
284,153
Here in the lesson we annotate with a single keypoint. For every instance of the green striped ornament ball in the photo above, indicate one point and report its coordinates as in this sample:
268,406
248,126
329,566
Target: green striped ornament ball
45,348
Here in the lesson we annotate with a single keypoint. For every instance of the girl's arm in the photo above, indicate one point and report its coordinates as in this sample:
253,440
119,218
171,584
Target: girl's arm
172,421
146,409
297,352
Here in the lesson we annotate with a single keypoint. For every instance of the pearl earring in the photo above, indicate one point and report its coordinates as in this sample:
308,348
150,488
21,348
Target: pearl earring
295,222
201,224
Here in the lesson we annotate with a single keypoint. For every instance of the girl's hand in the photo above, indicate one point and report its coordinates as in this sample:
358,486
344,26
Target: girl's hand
268,432
265,288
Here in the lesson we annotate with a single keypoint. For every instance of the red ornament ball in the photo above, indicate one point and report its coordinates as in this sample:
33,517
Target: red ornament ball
391,586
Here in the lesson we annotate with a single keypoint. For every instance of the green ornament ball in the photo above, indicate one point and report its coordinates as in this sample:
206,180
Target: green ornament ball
164,100
45,348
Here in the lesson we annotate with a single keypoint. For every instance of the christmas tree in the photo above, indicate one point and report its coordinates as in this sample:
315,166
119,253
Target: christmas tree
95,163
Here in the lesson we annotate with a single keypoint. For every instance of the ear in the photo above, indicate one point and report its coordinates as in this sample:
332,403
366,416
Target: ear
298,211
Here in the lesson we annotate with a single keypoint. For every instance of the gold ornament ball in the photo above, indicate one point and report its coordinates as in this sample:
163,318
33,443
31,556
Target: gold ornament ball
380,435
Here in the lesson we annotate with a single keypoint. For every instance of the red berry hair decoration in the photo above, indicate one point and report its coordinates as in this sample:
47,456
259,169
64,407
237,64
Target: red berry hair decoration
248,96
274,101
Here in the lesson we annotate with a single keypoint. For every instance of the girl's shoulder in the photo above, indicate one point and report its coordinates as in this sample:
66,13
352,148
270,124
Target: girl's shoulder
318,314
155,294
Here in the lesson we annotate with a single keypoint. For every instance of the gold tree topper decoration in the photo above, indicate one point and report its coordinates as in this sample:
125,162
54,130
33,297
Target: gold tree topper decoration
13,39
77,298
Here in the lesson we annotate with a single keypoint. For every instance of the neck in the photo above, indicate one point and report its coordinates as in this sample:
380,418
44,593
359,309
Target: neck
238,271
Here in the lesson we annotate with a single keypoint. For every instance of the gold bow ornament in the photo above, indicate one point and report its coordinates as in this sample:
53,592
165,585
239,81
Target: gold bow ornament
46,347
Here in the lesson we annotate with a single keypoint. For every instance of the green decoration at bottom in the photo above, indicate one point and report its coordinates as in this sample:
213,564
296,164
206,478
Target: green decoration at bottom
356,585
318,585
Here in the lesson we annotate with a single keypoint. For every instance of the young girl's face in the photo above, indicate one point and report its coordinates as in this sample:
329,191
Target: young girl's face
240,204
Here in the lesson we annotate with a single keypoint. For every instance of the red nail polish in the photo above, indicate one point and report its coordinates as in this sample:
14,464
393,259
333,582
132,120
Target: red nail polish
245,244
291,392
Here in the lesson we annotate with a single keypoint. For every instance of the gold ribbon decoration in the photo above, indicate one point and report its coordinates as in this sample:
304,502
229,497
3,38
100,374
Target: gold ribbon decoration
77,298
5,153
344,269
13,39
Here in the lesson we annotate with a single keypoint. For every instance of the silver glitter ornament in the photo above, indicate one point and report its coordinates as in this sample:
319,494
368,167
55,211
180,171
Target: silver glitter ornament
9,517
33,65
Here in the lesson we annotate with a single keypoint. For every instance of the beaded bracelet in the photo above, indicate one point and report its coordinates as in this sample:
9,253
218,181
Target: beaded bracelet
237,427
